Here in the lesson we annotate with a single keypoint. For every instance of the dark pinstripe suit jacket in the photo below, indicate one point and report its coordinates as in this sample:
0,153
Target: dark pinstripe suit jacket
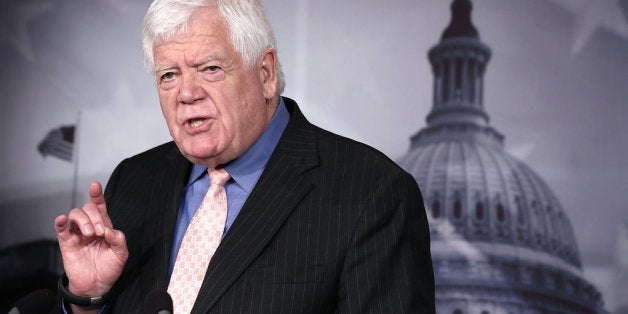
332,226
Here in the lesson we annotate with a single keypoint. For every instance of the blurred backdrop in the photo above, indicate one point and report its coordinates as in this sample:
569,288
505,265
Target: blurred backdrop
75,100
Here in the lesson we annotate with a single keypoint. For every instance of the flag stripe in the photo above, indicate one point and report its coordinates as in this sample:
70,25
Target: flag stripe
58,143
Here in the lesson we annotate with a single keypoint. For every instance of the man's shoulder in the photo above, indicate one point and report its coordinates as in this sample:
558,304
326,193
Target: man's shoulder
162,150
341,148
155,157
333,148
134,174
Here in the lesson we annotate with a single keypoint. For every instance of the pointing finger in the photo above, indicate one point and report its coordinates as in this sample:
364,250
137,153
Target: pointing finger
97,197
95,193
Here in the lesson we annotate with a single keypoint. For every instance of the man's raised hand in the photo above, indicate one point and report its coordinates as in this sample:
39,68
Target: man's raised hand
93,252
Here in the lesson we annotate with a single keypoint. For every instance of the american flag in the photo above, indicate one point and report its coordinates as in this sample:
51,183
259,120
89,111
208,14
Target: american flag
58,143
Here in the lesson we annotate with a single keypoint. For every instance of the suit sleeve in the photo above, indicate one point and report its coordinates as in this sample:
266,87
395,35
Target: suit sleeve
388,266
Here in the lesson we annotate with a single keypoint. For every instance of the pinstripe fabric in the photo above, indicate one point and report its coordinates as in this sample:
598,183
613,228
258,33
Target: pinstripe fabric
344,230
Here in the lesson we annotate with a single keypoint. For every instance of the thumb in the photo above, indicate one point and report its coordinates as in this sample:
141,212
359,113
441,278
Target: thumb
117,241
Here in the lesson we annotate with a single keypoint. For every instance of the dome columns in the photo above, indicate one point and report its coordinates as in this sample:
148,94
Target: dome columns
458,65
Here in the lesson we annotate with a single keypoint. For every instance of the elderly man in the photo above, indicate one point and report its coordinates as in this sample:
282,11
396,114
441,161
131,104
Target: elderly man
251,209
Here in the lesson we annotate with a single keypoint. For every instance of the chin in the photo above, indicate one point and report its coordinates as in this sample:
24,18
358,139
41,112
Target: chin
201,146
201,155
197,153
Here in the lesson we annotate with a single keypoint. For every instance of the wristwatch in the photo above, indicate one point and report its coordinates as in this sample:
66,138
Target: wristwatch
89,302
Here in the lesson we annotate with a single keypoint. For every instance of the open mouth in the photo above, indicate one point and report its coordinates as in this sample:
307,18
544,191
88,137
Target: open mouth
195,123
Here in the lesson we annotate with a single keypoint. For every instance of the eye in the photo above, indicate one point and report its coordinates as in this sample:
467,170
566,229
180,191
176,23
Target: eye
212,68
167,76
213,73
167,79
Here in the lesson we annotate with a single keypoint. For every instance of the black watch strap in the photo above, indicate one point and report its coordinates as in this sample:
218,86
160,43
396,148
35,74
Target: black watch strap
89,302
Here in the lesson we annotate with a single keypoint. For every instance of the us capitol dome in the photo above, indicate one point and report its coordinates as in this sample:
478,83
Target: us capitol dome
501,241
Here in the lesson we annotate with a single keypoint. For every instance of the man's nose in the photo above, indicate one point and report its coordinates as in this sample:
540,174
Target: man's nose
190,90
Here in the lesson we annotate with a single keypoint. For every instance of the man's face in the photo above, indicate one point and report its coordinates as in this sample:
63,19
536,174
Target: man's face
215,105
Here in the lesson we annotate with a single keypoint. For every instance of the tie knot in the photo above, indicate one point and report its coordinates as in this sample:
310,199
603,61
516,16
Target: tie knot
218,176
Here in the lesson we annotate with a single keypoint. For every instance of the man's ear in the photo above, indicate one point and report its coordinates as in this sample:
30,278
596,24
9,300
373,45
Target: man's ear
268,73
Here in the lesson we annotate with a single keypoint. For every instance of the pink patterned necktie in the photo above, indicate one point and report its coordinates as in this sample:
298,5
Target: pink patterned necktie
199,243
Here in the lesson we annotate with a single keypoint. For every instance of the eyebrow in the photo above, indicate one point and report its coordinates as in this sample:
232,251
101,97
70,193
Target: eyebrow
207,60
164,68
194,65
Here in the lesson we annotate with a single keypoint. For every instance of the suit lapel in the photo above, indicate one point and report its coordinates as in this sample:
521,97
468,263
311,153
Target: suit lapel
277,193
159,229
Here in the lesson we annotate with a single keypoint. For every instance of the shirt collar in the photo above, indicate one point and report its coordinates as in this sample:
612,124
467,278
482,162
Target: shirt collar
246,169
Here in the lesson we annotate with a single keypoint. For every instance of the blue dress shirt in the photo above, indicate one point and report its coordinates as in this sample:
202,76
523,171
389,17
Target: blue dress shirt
244,172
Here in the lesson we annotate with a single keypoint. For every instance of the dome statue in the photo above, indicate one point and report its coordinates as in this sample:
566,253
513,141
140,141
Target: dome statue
501,241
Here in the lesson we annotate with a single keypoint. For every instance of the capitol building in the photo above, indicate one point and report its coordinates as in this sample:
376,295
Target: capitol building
501,241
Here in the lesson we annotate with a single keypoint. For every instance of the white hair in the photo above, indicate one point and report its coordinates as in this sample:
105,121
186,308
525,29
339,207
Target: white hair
251,34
